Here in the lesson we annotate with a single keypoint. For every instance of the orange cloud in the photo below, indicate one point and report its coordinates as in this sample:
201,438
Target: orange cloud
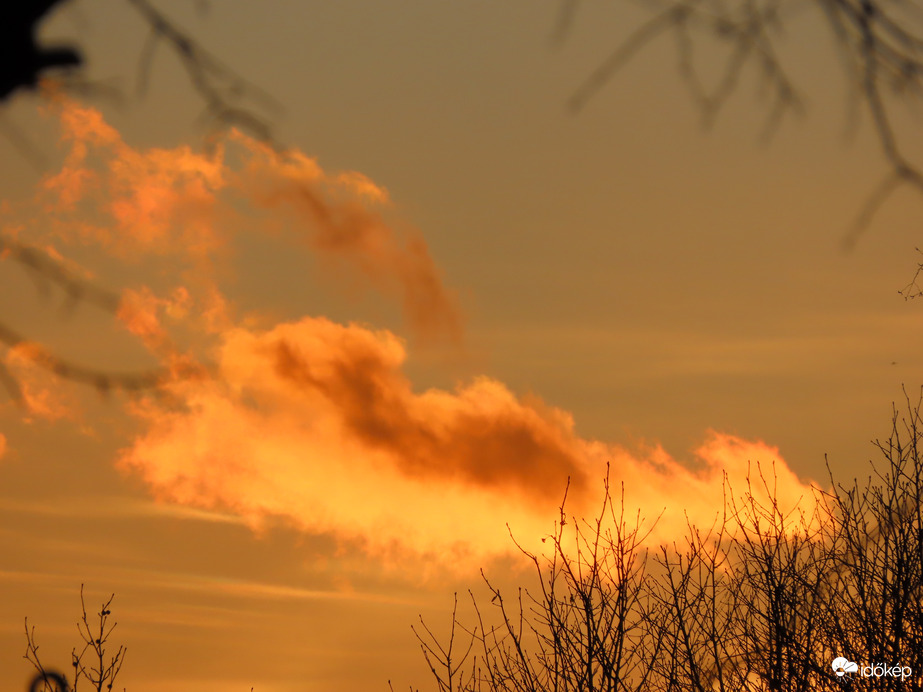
314,422
132,202
140,312
43,395
2,445
340,224
180,203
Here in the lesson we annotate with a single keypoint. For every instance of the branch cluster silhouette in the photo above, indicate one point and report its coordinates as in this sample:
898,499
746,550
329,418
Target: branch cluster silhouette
764,599
879,43
91,663
230,99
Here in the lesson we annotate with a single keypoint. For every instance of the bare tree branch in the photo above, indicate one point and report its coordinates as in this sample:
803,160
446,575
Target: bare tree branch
222,89
880,43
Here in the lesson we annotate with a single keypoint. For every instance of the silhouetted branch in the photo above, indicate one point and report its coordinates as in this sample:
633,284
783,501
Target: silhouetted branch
761,601
47,271
100,672
623,53
22,63
566,14
220,87
913,288
45,680
102,380
881,51
91,663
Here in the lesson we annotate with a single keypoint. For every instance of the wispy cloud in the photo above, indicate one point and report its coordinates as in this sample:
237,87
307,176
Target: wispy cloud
186,205
114,507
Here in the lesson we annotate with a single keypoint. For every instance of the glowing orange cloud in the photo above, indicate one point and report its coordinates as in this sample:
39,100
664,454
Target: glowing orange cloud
182,203
132,201
42,395
340,224
315,423
140,310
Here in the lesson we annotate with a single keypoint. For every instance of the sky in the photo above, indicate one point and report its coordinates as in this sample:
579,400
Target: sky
397,340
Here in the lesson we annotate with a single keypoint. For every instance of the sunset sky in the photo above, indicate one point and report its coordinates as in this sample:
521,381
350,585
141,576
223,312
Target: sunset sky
398,340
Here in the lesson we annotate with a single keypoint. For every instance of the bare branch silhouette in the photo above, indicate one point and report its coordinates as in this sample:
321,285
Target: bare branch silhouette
91,663
47,271
764,600
23,63
222,89
913,289
880,44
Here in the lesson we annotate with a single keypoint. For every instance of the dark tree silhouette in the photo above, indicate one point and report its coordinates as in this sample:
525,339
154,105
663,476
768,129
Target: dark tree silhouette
22,60
764,600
